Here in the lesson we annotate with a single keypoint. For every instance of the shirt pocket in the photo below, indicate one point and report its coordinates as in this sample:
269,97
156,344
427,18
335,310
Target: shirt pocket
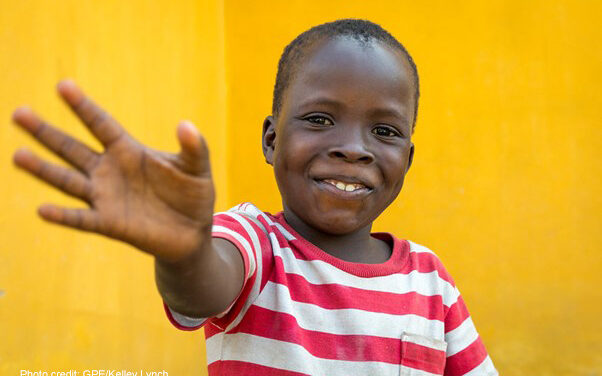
421,356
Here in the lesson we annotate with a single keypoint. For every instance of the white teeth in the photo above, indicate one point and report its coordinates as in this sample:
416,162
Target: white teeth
343,186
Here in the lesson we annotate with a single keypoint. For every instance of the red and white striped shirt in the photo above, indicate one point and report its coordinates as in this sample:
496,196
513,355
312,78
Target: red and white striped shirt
304,312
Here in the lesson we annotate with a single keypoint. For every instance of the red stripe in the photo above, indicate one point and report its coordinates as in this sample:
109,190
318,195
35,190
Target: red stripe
425,262
211,330
238,368
456,314
284,327
467,359
422,358
335,296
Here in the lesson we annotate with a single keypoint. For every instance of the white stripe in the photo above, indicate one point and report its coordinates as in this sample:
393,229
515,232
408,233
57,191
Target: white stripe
407,371
417,248
319,272
247,247
214,346
486,368
253,211
276,297
287,235
249,209
258,258
461,337
252,219
186,321
292,357
424,341
284,232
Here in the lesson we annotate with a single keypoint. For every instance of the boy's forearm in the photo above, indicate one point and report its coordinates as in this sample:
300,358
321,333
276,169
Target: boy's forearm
201,285
179,282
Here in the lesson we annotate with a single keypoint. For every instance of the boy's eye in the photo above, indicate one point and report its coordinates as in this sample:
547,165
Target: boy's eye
386,132
319,120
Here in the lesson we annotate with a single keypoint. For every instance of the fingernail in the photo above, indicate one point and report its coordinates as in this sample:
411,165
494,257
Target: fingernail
46,211
21,110
22,151
22,158
65,82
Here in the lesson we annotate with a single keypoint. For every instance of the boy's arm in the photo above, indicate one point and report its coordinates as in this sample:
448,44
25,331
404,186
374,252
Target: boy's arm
466,353
203,285
159,202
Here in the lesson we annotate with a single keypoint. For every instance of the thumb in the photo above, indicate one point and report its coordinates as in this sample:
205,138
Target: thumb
194,154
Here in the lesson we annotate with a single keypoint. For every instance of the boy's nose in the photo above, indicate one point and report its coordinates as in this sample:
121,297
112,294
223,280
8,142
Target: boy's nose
350,147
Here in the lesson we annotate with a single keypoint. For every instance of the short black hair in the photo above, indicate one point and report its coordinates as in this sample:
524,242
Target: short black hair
364,31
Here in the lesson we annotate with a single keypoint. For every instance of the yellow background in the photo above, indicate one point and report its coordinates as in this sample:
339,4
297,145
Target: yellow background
505,185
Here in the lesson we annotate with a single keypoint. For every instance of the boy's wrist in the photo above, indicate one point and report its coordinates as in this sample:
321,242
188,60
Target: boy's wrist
181,258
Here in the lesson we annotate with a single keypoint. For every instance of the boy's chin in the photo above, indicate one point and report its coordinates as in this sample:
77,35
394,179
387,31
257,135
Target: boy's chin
339,225
334,219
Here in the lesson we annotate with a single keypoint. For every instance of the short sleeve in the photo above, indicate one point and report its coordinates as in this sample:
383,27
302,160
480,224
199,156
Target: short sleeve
181,321
250,237
466,353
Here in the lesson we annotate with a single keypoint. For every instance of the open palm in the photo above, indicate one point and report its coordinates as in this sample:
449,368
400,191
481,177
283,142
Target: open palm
161,203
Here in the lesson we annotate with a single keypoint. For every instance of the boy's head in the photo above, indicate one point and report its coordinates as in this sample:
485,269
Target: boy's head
340,134
365,32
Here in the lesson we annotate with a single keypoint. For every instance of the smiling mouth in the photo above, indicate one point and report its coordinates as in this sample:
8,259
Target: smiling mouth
343,186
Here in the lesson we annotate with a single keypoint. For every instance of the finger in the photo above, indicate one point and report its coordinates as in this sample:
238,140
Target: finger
71,150
98,121
69,181
194,154
81,219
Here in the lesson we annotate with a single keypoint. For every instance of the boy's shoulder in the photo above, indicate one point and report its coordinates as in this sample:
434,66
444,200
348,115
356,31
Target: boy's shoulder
424,260
265,221
249,211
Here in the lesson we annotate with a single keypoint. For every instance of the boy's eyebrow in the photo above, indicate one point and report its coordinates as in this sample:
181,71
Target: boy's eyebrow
321,100
389,112
384,111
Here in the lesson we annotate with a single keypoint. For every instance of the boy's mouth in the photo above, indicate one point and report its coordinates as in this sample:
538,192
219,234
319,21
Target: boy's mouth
349,187
343,186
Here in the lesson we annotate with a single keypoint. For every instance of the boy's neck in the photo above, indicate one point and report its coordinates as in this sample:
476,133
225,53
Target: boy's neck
358,246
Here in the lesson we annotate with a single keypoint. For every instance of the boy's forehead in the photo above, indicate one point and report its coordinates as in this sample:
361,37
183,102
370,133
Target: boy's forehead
345,63
329,48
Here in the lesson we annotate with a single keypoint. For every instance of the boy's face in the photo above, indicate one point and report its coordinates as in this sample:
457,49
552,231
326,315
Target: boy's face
341,144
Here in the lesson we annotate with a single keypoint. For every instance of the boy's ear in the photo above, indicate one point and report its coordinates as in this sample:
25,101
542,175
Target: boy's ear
411,157
268,139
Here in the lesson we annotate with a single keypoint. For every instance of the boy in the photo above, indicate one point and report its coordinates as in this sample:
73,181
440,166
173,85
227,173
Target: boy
306,291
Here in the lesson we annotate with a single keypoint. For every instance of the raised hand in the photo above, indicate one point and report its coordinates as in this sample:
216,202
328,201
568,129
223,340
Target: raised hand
161,203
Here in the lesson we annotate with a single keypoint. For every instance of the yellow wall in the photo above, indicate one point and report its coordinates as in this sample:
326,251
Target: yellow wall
79,301
505,184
